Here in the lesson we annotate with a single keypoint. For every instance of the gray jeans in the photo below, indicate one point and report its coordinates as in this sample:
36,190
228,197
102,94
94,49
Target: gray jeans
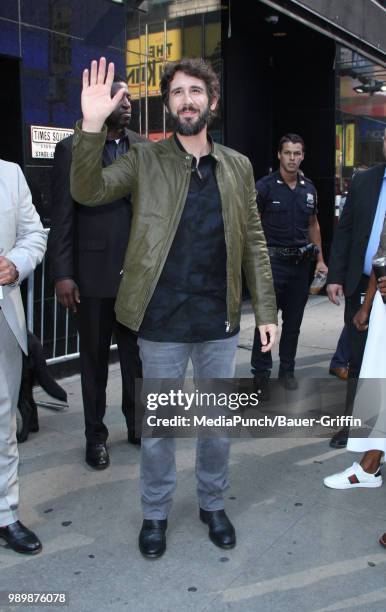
213,359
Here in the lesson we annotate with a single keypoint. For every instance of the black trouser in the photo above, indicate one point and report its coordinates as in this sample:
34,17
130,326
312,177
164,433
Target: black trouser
356,340
96,322
291,282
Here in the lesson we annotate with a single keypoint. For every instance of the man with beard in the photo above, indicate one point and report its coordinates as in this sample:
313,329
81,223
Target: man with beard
194,227
287,203
87,248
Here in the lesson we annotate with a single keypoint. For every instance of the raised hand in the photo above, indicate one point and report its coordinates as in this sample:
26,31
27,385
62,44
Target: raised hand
97,103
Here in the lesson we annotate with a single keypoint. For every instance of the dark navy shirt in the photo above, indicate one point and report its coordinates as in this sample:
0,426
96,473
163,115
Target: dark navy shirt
189,301
285,212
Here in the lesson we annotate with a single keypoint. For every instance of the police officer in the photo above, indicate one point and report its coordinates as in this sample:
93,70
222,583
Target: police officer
287,202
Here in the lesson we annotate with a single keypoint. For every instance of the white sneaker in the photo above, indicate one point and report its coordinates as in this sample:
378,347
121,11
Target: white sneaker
354,477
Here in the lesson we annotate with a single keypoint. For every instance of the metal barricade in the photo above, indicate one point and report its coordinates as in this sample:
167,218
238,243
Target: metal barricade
48,320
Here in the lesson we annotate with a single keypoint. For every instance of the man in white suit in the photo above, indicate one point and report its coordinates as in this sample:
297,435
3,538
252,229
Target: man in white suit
22,246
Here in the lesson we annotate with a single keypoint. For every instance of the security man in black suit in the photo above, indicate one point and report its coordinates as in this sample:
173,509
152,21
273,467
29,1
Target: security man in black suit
287,203
87,248
355,242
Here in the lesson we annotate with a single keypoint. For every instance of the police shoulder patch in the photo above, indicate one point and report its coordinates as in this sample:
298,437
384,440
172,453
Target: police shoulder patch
310,198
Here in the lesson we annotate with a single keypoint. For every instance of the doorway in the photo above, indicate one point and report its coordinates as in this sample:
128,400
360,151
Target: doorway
279,77
11,141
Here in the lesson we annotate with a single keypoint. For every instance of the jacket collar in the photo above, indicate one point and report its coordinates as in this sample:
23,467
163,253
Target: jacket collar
180,151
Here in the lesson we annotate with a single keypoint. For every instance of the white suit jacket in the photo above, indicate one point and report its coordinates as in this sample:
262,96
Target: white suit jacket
22,240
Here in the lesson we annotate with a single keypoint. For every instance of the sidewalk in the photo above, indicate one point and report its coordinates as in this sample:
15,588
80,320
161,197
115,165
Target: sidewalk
300,547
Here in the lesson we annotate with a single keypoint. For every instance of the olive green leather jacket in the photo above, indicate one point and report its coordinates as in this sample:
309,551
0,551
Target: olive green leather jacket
157,175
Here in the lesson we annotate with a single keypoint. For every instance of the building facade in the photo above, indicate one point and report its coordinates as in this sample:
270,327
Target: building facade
312,67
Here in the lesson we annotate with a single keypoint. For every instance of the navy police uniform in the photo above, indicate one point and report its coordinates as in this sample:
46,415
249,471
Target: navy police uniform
285,216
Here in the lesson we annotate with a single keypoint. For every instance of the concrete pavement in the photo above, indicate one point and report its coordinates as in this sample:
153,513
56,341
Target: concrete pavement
301,547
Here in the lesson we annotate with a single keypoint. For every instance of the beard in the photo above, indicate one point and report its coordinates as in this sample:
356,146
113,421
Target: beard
192,125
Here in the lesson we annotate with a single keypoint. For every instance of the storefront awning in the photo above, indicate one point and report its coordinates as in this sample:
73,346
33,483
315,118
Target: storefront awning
360,25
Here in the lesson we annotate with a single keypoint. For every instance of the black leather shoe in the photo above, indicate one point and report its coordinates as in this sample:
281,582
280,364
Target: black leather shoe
288,381
152,538
339,440
221,531
97,456
21,539
261,385
133,439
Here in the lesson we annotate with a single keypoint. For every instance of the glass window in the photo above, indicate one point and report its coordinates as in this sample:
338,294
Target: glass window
98,22
161,31
360,116
9,38
9,9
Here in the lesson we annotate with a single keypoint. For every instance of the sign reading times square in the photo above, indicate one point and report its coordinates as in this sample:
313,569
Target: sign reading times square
44,140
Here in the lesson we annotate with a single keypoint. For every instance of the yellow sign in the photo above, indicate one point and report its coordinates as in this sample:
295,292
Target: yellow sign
350,144
158,53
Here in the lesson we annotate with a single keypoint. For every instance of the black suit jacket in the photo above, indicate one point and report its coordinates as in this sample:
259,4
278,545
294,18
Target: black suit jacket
354,228
86,244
